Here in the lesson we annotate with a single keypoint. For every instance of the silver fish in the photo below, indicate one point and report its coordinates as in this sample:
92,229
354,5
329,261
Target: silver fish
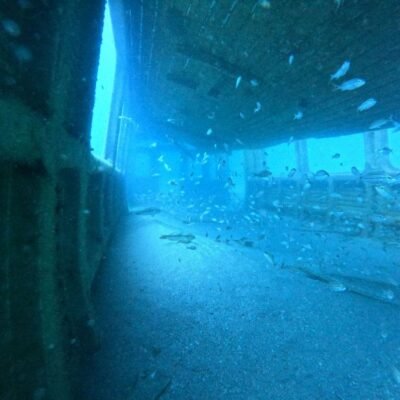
264,3
211,115
270,258
209,132
148,211
379,123
342,71
254,82
307,185
229,183
167,167
298,115
11,27
337,286
383,192
263,174
338,3
321,174
385,151
355,171
352,84
238,80
179,237
396,375
367,104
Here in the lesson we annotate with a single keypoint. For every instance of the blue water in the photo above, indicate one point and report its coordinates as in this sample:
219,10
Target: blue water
226,285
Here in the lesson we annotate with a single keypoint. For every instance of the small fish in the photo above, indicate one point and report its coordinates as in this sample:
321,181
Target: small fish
229,183
338,3
379,123
238,80
242,115
337,286
292,173
321,174
254,82
395,179
385,151
148,211
355,171
396,375
178,237
290,141
239,142
384,193
396,124
291,59
209,132
172,183
367,104
167,167
264,3
259,194
211,115
24,54
298,115
160,159
270,258
258,107
263,174
307,185
11,27
205,158
342,71
276,204
125,118
388,294
336,156
153,145
351,84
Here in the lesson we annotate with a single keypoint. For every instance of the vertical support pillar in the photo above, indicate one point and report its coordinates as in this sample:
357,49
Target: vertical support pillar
303,169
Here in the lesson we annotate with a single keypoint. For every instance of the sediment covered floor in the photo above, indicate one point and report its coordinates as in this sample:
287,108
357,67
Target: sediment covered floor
214,320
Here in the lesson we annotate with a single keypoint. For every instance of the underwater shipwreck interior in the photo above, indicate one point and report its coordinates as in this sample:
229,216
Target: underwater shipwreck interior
200,199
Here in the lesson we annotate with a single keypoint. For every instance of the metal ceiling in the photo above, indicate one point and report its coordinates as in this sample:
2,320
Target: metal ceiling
187,57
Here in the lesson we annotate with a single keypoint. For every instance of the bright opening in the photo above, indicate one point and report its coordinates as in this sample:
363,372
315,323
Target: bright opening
104,88
336,154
